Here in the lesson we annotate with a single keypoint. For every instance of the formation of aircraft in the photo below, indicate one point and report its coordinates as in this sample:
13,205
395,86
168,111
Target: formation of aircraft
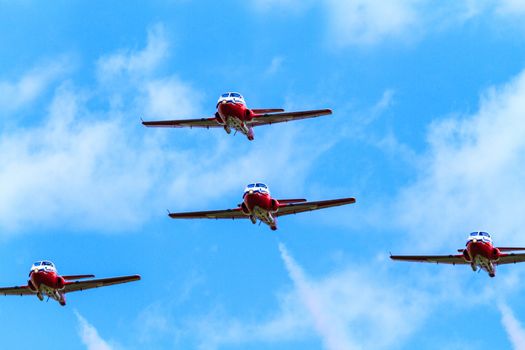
44,280
232,113
478,253
257,204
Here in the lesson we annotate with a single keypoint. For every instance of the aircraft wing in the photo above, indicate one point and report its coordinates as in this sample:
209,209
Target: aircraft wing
294,208
510,258
437,259
509,249
184,123
266,110
211,214
273,118
76,277
18,290
96,283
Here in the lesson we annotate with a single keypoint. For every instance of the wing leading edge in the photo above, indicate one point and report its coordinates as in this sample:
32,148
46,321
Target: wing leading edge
273,118
96,283
182,123
510,258
295,208
17,290
437,259
211,214
74,286
261,117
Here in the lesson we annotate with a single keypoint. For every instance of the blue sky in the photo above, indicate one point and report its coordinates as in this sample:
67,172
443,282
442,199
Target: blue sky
427,133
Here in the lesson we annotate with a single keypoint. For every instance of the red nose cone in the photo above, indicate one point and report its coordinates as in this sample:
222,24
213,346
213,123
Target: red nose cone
231,110
261,200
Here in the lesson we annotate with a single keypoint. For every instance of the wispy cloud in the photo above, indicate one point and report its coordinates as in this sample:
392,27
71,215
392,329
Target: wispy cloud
364,22
96,168
331,330
21,92
346,309
136,62
293,6
166,98
89,335
513,327
471,176
367,23
275,65
511,8
73,167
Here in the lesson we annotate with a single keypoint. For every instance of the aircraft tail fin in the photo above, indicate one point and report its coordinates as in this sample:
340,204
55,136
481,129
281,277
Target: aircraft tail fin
77,277
267,110
290,201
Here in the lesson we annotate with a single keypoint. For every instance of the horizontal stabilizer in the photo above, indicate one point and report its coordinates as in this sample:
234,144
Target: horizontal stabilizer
288,201
267,110
510,249
76,277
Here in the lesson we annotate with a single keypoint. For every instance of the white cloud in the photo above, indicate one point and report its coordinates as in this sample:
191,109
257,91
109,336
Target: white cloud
17,94
472,175
136,63
352,308
90,336
275,65
72,168
293,6
513,327
90,168
351,23
330,329
169,98
366,22
511,7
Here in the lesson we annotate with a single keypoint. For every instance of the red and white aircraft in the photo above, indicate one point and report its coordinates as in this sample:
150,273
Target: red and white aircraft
44,280
232,113
479,252
257,204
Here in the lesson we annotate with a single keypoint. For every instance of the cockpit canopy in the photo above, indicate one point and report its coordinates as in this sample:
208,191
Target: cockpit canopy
480,236
43,265
234,97
257,187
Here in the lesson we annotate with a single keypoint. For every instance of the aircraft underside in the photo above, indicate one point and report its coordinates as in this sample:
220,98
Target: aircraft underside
484,264
238,125
51,293
265,216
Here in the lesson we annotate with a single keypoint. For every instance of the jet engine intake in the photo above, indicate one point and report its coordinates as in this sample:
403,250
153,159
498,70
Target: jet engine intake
495,253
245,209
219,119
275,205
466,255
60,283
31,285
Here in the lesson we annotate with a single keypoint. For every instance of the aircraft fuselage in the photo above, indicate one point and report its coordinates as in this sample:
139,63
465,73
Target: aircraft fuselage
483,255
234,115
47,283
260,206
